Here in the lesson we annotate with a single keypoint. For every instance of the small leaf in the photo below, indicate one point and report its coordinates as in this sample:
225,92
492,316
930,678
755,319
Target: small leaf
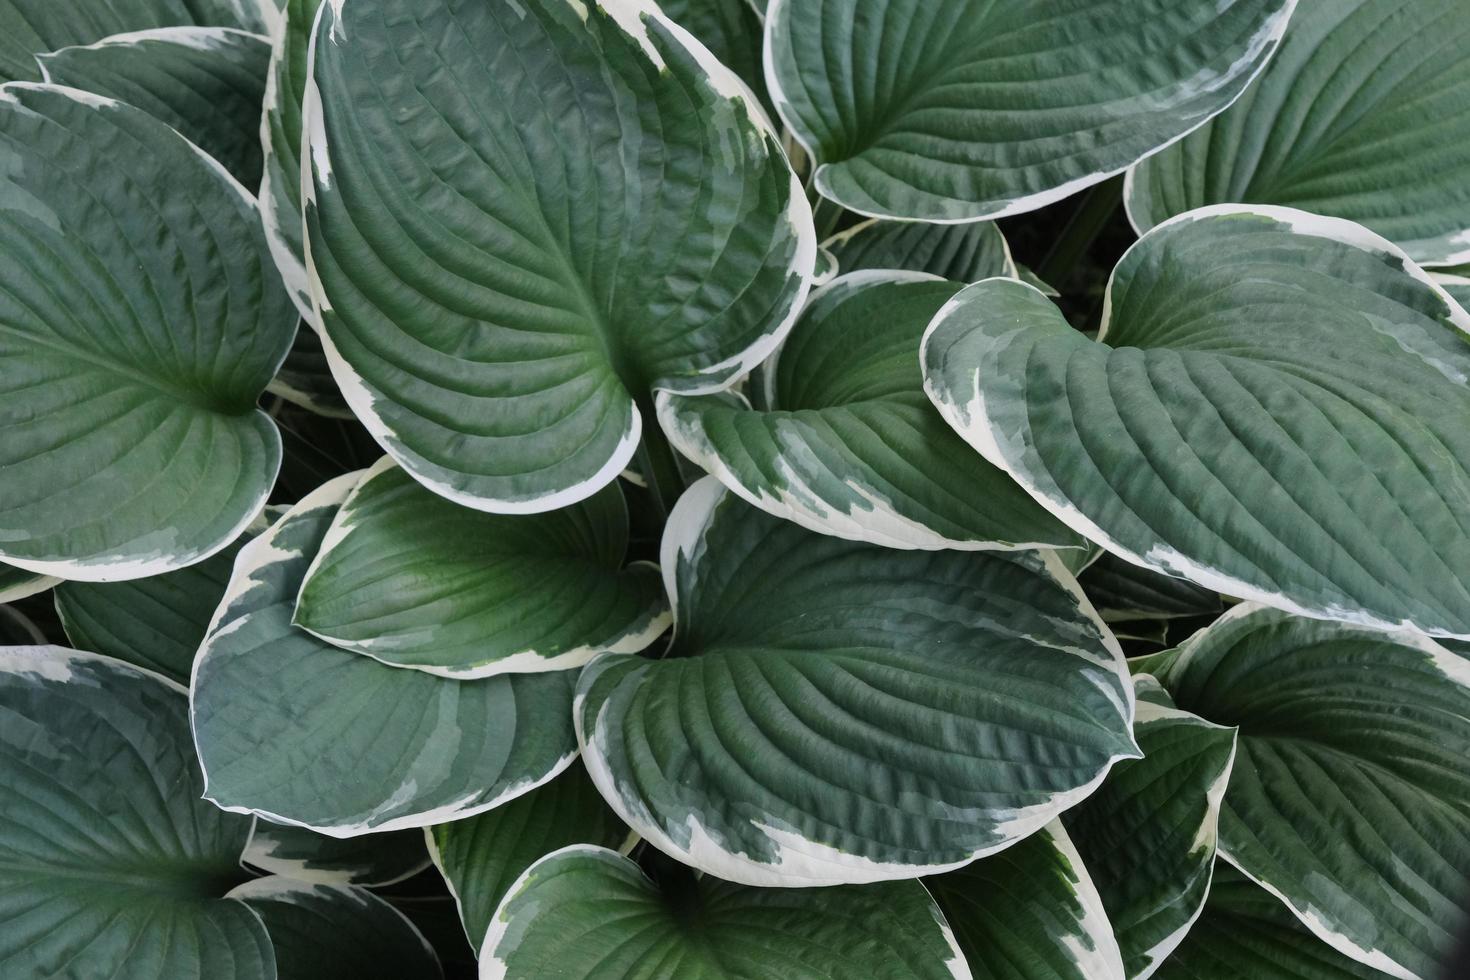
481,857
205,82
17,583
1149,835
963,253
953,110
847,444
1349,799
300,732
584,913
305,379
1030,912
413,580
304,855
1274,409
110,863
494,303
1123,592
834,712
1360,115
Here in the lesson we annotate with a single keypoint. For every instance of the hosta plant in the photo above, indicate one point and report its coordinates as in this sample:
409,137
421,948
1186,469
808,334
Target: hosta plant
814,490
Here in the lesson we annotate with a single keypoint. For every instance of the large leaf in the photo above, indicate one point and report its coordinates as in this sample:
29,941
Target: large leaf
280,140
481,857
839,712
206,82
964,253
110,863
303,733
1350,798
372,859
157,622
1149,834
952,110
501,278
1274,409
32,27
139,321
1246,934
847,443
1361,115
413,580
337,932
1030,912
584,913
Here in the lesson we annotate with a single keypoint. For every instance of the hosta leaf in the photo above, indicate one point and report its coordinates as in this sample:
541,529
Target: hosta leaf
140,321
495,294
110,863
839,712
849,445
1350,799
206,82
1246,934
964,253
1274,409
1361,115
18,629
1030,912
280,140
17,583
32,27
584,913
1123,591
305,379
300,732
952,110
481,857
413,580
372,859
1149,834
731,29
337,932
157,622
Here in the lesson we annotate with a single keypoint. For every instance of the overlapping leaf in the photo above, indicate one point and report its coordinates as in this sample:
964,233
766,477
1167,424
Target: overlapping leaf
962,253
206,82
304,855
139,322
836,712
304,733
952,110
1361,115
1030,912
500,279
413,580
1350,798
584,913
1273,409
1123,592
845,442
280,140
1149,835
105,846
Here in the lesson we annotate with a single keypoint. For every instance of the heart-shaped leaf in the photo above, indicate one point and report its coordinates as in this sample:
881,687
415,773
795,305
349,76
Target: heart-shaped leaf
1149,834
952,110
141,322
408,578
110,863
482,857
834,712
1246,934
33,27
304,733
847,443
337,932
584,913
495,302
1360,115
963,253
1350,798
1030,912
206,82
1274,409
304,855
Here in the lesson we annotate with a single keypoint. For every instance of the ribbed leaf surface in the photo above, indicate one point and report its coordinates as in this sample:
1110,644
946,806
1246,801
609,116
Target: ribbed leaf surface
963,253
